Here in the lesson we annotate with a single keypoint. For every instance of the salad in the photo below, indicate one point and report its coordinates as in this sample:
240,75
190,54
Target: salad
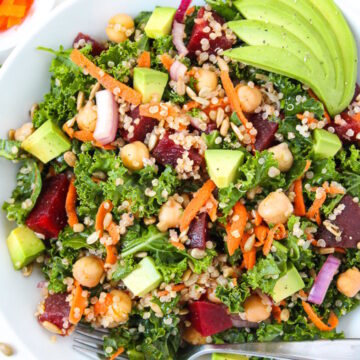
195,179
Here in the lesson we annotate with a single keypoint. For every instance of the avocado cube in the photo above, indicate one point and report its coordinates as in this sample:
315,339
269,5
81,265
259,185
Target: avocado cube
217,356
144,278
150,83
24,246
288,284
326,144
47,142
160,22
223,166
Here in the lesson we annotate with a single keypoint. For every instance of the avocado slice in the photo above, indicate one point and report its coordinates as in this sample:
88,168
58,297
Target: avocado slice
24,246
288,284
223,166
217,356
160,22
326,144
144,278
150,83
47,142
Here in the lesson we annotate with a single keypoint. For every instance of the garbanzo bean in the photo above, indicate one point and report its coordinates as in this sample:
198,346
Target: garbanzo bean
256,310
87,116
283,155
120,27
170,215
250,98
206,79
348,283
88,271
120,307
133,155
24,132
193,337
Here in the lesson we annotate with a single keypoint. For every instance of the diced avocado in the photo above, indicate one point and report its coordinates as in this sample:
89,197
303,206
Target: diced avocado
326,144
144,278
47,142
24,246
223,165
160,22
150,83
217,356
288,284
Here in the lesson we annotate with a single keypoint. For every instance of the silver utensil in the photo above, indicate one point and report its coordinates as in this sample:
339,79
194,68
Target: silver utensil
89,342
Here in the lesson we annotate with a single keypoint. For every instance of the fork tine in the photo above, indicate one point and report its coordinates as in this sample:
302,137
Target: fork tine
89,329
89,351
91,343
92,335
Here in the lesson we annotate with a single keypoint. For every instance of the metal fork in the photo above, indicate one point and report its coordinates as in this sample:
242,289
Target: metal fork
89,343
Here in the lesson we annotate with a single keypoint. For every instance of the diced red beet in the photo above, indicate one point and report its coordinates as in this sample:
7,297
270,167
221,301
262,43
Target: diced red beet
49,216
198,232
56,312
145,126
348,222
348,129
208,318
198,34
82,40
167,152
266,131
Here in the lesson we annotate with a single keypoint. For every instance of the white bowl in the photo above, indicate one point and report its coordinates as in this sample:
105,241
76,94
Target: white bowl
24,79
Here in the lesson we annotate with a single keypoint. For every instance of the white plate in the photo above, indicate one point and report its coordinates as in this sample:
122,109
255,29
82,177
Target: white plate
24,79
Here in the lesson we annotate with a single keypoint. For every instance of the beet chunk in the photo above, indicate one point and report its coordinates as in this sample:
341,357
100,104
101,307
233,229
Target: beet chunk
266,131
208,318
198,33
56,312
348,129
348,222
49,216
198,232
167,152
82,40
145,126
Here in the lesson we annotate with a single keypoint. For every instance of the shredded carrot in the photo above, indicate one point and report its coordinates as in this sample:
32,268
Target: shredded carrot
70,204
333,321
332,189
356,117
307,165
178,245
104,208
250,258
314,211
114,232
111,254
191,105
234,281
303,294
178,287
144,60
326,114
68,130
96,180
211,208
100,308
299,204
195,205
117,353
162,293
235,228
158,111
278,231
167,61
190,10
116,87
310,120
87,136
276,312
257,218
78,305
261,232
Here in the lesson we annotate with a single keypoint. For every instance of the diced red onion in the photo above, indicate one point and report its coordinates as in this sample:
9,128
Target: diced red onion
108,117
238,322
178,33
177,70
181,11
323,280
266,300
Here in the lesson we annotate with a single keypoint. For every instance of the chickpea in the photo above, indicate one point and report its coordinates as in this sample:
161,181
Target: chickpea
193,337
206,79
133,155
283,155
210,294
250,98
88,271
170,215
348,283
276,208
87,116
24,132
120,27
120,308
256,310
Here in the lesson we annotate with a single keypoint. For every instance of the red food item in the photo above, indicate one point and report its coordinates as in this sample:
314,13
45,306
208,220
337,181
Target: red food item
198,34
56,312
167,152
49,215
82,40
266,131
198,232
145,126
208,318
348,222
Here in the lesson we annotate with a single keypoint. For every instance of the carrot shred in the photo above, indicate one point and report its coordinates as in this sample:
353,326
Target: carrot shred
119,351
191,105
299,204
70,204
158,111
356,117
178,245
104,208
257,218
261,232
310,120
277,232
190,10
162,293
276,312
100,308
167,61
116,87
68,130
250,258
332,189
307,165
211,208
96,180
195,205
178,287
144,60
87,136
114,232
314,211
111,255
235,229
78,305
333,321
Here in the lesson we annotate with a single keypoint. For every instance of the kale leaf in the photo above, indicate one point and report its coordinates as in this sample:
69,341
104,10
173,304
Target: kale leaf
10,149
233,297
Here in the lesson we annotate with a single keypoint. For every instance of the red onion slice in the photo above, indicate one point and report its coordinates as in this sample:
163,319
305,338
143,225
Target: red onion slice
181,11
178,33
108,117
323,280
177,70
238,322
